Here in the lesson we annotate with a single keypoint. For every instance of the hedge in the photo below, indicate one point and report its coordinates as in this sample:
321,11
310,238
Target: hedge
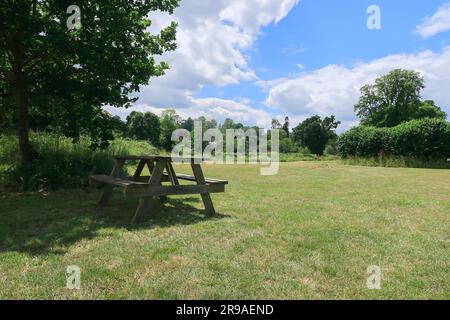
422,139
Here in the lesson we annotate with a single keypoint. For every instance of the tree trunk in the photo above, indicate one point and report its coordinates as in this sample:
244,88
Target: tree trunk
22,105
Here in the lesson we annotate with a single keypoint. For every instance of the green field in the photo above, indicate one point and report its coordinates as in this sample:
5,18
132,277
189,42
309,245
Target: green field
309,232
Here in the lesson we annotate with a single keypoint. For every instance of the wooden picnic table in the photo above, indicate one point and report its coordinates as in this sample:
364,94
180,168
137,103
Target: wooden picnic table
150,187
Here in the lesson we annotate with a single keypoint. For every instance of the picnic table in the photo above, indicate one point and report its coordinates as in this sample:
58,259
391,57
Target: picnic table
149,187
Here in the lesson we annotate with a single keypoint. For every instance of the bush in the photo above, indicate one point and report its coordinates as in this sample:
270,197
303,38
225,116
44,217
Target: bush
427,139
59,161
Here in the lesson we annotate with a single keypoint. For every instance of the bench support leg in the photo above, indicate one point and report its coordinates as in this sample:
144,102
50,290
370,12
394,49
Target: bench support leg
151,167
108,190
143,207
206,198
155,180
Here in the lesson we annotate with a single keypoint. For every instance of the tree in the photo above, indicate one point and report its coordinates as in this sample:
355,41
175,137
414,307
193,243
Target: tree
286,126
429,109
170,121
118,126
188,124
65,76
230,124
393,99
314,133
275,124
144,126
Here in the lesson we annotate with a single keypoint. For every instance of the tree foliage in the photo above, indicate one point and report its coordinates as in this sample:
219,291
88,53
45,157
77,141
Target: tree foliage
144,126
314,133
395,98
170,121
61,78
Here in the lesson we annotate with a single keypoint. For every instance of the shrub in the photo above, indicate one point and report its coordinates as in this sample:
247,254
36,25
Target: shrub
59,161
427,139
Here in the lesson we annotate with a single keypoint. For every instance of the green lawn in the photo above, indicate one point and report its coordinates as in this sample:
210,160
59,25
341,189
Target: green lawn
309,232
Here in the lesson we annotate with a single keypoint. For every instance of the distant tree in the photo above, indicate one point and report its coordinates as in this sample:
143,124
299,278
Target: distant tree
275,124
144,126
286,126
230,124
207,124
188,124
170,121
119,127
395,98
63,76
314,133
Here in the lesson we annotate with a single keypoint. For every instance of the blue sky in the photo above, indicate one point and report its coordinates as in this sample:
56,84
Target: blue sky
257,59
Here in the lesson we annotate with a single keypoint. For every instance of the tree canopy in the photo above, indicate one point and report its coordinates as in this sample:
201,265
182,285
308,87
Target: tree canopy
60,77
314,133
395,98
144,126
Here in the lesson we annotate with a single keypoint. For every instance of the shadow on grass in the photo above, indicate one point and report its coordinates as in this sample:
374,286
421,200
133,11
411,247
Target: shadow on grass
48,224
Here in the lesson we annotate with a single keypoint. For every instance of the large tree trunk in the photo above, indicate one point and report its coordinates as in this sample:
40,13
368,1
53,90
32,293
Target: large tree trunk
22,105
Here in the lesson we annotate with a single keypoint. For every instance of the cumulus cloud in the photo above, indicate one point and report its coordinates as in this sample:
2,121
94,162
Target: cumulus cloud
437,23
334,89
212,38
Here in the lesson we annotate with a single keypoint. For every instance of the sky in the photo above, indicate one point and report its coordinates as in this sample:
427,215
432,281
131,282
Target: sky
256,60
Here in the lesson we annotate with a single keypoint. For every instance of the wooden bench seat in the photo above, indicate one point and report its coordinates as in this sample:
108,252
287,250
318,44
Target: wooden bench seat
143,188
192,178
117,182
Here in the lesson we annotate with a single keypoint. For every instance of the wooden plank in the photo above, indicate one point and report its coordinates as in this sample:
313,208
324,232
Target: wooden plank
155,157
146,179
156,191
206,198
171,173
107,191
164,177
117,182
139,169
150,166
187,177
155,180
207,180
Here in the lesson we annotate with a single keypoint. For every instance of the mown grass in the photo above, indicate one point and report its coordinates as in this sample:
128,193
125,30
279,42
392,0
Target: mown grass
309,232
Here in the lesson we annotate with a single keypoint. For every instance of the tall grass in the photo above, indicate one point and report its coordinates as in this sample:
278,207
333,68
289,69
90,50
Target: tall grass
59,161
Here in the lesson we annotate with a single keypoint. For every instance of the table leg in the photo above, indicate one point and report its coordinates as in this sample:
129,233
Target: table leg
206,198
151,167
172,175
108,189
139,169
155,180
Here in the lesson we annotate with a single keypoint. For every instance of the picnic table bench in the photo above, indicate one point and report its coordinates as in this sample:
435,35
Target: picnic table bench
148,187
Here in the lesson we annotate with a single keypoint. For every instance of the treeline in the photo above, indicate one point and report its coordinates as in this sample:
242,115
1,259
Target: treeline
313,135
158,130
396,122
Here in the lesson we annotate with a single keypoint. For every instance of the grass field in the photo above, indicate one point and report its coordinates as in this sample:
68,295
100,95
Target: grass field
308,233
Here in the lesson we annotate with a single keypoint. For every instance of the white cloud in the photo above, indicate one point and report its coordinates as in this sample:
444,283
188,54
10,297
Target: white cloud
334,89
212,38
439,22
